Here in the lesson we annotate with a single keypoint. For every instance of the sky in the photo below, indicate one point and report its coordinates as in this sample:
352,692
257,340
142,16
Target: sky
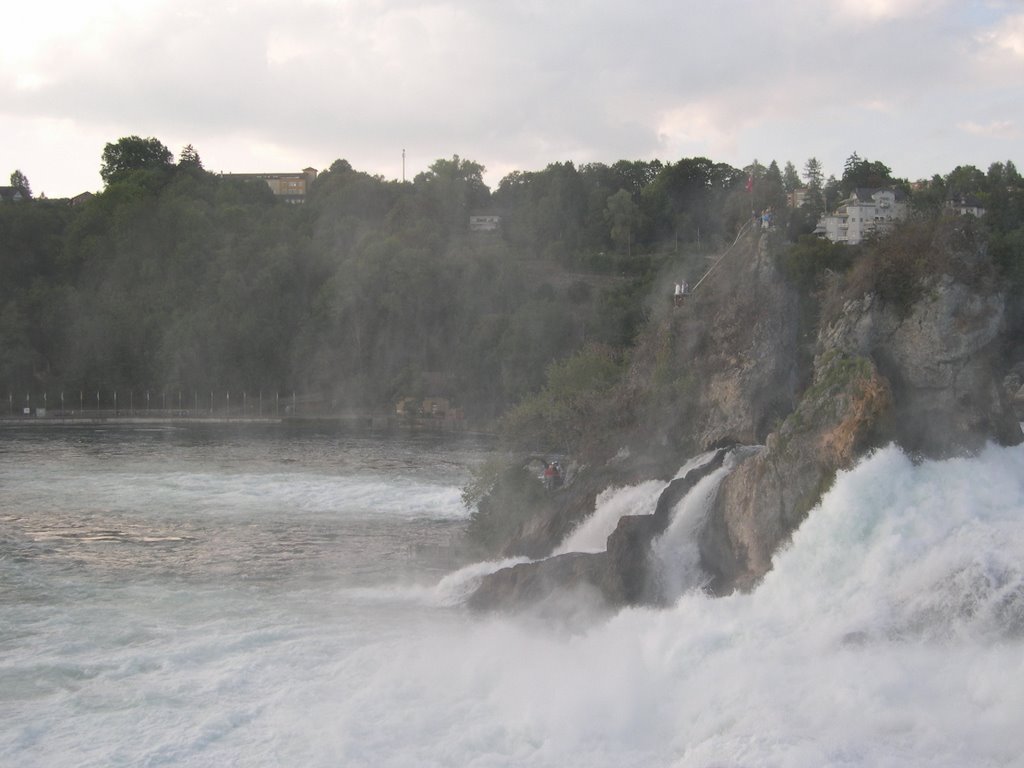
920,85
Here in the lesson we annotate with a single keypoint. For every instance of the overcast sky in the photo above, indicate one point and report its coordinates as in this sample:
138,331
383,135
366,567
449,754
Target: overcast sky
922,85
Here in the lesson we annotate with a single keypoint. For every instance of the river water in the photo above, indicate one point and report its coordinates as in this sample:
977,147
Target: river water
214,596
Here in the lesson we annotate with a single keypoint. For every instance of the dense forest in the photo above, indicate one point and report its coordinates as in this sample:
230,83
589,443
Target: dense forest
175,279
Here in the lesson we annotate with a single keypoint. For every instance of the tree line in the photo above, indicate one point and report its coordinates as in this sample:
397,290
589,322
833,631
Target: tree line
174,277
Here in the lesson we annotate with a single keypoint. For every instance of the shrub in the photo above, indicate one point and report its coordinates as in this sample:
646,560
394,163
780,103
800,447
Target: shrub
576,398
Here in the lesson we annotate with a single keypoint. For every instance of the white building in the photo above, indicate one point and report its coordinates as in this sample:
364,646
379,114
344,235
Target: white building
865,211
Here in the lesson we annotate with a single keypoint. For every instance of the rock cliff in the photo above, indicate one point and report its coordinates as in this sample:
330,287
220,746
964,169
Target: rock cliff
742,361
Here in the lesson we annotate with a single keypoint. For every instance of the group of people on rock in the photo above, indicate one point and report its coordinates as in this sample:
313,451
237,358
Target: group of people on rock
552,475
682,291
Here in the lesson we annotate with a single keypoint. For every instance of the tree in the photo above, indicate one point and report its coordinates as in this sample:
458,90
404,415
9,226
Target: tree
851,164
755,172
189,158
859,173
454,188
790,178
20,182
966,180
832,193
685,202
929,197
634,175
774,192
131,154
623,215
813,173
814,201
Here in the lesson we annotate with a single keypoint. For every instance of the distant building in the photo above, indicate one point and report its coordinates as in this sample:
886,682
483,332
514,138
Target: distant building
865,211
290,187
484,223
966,205
10,195
81,198
797,197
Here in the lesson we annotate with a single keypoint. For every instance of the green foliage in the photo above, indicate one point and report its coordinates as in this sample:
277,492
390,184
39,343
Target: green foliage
686,202
897,268
841,371
929,200
173,277
790,177
966,179
20,182
189,158
505,497
807,260
813,173
623,216
375,289
132,153
1008,253
573,403
858,172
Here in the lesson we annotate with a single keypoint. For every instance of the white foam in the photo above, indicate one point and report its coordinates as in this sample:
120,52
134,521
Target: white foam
866,646
675,552
611,505
890,633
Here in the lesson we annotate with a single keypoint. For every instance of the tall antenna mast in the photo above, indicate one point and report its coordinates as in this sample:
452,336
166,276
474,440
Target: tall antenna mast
403,165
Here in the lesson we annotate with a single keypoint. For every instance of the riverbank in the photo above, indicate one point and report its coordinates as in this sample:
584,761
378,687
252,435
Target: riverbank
379,423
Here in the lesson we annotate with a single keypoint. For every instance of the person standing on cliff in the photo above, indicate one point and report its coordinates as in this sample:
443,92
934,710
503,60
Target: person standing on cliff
550,473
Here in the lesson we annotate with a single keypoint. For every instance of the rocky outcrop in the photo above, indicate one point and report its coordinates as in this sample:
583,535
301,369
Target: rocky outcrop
621,575
927,379
941,362
723,368
734,365
767,497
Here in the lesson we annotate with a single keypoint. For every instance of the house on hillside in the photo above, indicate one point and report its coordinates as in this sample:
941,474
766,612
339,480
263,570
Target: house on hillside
81,199
289,187
865,211
966,205
10,195
484,223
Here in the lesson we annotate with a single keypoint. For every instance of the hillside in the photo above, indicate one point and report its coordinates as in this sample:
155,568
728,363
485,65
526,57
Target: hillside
907,346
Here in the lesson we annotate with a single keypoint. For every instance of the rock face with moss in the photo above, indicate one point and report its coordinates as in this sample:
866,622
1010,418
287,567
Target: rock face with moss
722,368
906,349
924,374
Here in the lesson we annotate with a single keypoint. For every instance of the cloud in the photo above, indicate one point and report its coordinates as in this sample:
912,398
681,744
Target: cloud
1002,129
694,129
1008,37
884,10
513,85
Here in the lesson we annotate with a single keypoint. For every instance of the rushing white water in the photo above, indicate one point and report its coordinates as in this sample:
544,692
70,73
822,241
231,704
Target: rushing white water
676,552
615,503
280,628
591,535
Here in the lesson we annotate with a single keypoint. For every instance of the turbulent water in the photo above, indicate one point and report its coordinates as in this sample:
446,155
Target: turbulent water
265,597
